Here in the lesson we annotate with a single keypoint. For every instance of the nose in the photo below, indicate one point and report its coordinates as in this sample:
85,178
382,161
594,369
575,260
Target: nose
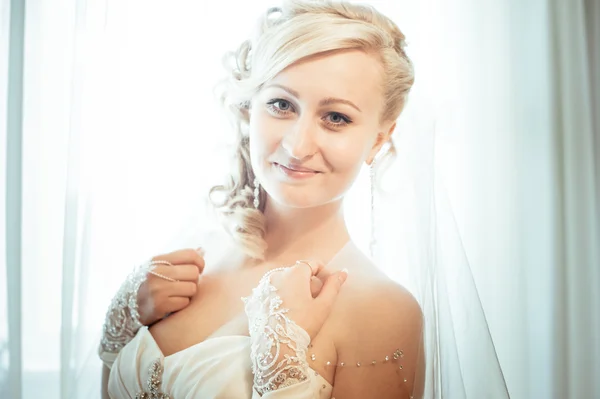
300,140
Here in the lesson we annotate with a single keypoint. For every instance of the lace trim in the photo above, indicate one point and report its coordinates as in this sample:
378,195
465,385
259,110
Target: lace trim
278,345
122,320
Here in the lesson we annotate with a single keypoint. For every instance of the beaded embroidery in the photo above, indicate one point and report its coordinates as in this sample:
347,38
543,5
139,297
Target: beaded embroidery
122,320
278,345
153,383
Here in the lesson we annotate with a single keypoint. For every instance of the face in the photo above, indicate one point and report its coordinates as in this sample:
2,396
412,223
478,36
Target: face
314,125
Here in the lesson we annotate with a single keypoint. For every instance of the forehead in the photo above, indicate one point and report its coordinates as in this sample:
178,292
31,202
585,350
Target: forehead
350,74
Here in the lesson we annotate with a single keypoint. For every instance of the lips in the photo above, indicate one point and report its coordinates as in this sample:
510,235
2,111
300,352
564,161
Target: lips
295,172
295,168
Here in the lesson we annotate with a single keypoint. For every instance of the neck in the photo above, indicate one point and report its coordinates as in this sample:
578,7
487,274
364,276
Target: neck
312,233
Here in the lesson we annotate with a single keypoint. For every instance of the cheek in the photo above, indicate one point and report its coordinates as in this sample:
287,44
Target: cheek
264,138
345,161
346,158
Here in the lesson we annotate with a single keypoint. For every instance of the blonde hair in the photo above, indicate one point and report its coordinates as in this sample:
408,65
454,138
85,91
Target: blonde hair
284,36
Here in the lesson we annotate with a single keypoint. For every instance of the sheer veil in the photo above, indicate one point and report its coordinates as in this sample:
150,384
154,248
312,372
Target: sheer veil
417,242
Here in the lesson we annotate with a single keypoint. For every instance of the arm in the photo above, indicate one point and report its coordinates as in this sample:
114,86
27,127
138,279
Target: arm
120,325
104,382
278,344
283,315
169,290
155,296
122,320
388,323
381,325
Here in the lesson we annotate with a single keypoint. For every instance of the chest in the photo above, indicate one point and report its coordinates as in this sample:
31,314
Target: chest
218,311
215,310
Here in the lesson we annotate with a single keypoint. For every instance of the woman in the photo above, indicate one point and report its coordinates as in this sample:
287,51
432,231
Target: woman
314,96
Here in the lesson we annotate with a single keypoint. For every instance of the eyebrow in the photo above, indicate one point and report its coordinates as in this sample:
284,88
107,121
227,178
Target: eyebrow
322,103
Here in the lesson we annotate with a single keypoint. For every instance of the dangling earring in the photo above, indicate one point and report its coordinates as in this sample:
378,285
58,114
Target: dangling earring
372,183
256,193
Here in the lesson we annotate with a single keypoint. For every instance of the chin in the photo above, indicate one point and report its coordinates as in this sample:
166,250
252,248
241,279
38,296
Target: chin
300,197
294,200
300,193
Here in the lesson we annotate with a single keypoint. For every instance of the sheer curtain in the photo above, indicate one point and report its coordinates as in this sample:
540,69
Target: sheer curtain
111,138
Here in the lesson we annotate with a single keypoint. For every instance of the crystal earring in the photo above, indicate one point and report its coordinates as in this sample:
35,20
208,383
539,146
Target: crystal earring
372,183
256,193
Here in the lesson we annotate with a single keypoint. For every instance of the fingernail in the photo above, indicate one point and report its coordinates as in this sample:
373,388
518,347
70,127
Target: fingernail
200,250
343,275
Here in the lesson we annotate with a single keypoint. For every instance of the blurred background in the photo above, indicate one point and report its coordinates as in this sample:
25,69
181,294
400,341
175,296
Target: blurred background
110,137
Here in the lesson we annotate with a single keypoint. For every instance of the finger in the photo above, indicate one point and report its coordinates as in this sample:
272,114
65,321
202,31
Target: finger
314,267
179,272
175,304
316,284
332,287
153,275
184,257
182,289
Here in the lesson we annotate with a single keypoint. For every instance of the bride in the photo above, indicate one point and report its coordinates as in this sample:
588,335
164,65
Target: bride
288,307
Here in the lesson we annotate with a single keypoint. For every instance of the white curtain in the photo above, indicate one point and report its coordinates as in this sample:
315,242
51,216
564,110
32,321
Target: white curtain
109,138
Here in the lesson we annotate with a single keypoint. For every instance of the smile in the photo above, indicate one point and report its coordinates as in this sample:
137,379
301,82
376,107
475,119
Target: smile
295,174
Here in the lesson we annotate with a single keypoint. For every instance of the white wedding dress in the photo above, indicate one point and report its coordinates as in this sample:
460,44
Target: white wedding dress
222,367
239,366
218,368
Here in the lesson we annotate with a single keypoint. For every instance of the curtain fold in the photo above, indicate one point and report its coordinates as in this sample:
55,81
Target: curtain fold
577,238
592,24
13,43
75,215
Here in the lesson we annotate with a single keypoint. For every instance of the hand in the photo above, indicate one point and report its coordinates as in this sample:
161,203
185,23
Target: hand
158,297
296,288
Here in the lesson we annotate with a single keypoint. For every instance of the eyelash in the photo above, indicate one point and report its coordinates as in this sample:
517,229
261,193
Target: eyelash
271,106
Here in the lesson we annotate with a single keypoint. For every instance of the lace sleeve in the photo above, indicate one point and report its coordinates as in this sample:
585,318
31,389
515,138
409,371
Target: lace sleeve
122,320
278,345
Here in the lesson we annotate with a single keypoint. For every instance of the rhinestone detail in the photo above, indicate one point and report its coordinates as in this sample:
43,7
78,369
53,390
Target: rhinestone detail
398,354
153,383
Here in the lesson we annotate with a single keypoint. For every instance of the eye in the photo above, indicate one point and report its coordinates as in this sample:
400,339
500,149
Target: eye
335,119
280,106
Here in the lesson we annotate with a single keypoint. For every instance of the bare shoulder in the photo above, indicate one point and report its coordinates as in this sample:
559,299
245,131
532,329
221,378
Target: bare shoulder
370,299
379,305
380,326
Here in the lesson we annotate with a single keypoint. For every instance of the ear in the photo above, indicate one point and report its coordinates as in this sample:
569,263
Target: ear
382,138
